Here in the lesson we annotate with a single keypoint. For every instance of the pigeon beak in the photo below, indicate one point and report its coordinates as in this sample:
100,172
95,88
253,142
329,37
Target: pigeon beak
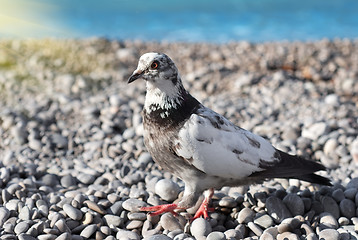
136,74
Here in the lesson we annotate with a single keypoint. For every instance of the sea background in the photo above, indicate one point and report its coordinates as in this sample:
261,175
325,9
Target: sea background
184,20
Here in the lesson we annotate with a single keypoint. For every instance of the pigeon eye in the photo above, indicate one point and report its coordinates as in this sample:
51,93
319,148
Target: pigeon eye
154,65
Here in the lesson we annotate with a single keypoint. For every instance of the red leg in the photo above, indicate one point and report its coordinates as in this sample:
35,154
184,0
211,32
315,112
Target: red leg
156,210
203,209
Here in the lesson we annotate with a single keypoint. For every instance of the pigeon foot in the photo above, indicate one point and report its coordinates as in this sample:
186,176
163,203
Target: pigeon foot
204,209
156,210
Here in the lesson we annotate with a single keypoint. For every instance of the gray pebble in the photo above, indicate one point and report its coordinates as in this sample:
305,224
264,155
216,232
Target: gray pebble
88,231
21,227
246,215
338,195
50,180
287,236
330,206
125,234
64,236
329,234
315,131
350,193
24,236
353,183
216,236
233,234
113,220
167,189
169,222
137,216
133,224
263,221
4,214
328,221
294,204
133,204
348,208
200,227
72,212
255,229
25,213
47,237
86,179
145,158
68,181
158,237
277,209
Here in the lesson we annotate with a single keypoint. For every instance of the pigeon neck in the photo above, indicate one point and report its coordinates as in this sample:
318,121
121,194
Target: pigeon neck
168,108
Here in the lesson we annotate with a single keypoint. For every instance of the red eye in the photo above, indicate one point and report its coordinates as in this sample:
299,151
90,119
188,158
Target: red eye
154,65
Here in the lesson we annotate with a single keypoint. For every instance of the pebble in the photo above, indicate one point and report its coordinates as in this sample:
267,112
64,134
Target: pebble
348,208
294,204
329,234
200,227
330,206
72,212
276,209
246,215
216,236
264,221
158,237
169,222
167,189
328,220
133,204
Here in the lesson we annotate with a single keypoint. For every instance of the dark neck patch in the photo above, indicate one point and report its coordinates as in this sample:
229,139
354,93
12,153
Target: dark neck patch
172,116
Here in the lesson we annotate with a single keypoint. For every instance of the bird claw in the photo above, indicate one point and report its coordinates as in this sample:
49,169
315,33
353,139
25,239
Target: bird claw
159,209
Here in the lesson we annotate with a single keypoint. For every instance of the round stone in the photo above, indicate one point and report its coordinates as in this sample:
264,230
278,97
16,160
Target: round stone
200,227
158,237
216,236
330,206
328,221
169,222
294,204
133,204
329,234
246,215
88,231
167,189
277,210
72,212
348,208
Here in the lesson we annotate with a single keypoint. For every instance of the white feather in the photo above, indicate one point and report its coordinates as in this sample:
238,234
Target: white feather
212,150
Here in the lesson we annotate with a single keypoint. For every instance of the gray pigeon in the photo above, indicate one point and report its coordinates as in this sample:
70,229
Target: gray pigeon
202,147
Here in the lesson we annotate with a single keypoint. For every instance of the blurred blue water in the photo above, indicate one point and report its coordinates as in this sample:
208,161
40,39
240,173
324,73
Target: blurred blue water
207,20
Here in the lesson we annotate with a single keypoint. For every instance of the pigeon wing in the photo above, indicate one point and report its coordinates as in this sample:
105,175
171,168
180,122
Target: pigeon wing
217,147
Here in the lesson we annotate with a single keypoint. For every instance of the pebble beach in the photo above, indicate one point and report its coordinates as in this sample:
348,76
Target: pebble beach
73,164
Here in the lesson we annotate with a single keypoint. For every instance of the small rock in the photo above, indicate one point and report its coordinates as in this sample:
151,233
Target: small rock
315,131
255,229
133,204
88,231
167,189
348,208
264,221
200,227
246,215
294,204
328,220
169,222
113,220
329,234
330,206
127,235
216,236
277,210
72,212
21,227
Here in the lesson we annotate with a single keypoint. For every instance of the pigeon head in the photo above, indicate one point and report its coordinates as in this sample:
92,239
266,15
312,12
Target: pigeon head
164,86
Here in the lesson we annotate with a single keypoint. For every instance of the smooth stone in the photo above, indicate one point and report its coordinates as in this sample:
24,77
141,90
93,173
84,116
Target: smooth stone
21,227
329,234
125,234
88,231
328,220
353,183
330,206
145,158
59,140
137,216
64,236
233,234
264,221
24,236
348,208
338,195
133,204
68,181
255,229
167,189
287,236
85,178
294,204
200,227
25,213
228,202
72,212
4,215
276,208
350,193
246,215
343,221
133,224
169,222
95,207
47,237
315,131
216,236
158,237
113,220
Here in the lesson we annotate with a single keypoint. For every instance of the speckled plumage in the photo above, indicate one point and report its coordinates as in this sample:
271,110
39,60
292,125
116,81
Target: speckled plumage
202,147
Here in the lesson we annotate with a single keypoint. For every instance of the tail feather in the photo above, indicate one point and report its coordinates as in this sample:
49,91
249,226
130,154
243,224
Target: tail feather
294,167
